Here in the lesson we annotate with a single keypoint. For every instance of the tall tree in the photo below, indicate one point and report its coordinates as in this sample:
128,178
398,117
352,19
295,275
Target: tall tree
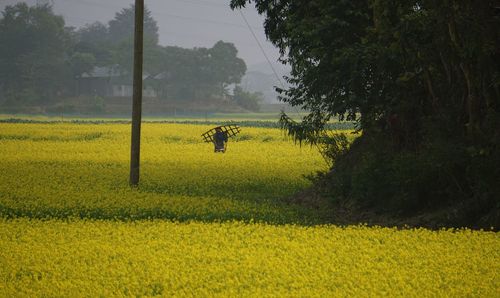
121,35
33,51
422,75
200,73
225,66
382,57
95,33
94,39
121,28
81,63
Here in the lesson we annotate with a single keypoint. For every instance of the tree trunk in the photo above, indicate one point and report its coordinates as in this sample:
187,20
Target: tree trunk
473,99
473,104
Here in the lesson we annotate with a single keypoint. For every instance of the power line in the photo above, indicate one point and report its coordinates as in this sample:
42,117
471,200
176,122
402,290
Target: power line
205,37
268,60
170,33
262,49
161,13
207,3
200,20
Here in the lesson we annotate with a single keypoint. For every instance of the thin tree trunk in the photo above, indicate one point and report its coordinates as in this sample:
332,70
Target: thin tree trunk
473,103
473,100
137,94
445,67
430,89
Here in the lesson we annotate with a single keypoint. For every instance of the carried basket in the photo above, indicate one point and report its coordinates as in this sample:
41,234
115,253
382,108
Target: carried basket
230,130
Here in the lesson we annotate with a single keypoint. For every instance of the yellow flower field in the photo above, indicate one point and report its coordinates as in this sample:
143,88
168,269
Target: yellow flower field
145,258
203,224
61,170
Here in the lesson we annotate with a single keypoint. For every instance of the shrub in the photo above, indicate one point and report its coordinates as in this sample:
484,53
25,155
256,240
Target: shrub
441,174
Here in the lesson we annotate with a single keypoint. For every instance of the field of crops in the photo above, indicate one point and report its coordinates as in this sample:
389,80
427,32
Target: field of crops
65,170
202,224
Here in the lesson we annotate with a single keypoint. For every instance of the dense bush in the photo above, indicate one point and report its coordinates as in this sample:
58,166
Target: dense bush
442,175
421,78
248,100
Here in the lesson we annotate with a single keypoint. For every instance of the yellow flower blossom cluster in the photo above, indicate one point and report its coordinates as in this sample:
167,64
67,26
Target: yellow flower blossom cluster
63,170
56,258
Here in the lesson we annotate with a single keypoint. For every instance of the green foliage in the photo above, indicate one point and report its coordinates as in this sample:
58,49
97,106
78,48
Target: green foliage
122,26
422,75
40,59
96,33
81,63
417,60
94,39
331,144
33,47
185,74
443,175
224,65
247,100
121,39
199,73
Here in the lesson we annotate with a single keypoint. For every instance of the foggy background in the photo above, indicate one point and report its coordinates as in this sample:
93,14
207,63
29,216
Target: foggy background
184,23
189,24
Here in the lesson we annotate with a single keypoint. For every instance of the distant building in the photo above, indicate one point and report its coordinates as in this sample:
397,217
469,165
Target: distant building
158,84
111,82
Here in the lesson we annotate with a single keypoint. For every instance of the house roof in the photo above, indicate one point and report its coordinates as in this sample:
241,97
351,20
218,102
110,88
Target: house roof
103,72
114,73
163,75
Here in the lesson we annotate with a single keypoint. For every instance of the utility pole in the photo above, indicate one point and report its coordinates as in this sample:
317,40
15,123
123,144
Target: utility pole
137,94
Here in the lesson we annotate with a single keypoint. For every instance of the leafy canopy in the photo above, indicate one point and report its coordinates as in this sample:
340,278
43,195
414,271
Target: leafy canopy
409,62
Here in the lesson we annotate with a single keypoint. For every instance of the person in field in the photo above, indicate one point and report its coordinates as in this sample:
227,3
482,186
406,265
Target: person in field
220,140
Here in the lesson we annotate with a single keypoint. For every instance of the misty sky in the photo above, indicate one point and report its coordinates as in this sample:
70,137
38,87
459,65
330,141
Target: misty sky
185,23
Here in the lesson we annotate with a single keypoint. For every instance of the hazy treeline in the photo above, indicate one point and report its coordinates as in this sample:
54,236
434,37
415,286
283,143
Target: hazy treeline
42,60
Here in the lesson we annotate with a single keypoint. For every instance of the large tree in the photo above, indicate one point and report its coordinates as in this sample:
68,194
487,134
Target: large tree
121,28
224,63
93,39
199,73
121,36
423,76
33,53
380,57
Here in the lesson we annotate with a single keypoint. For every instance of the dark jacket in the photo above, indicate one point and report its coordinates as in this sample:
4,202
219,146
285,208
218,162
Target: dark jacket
220,138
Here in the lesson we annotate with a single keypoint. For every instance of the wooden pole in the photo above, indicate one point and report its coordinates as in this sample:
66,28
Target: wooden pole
137,94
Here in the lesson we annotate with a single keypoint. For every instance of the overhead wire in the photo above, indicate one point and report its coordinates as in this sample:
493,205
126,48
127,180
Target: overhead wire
261,48
162,13
265,55
156,13
207,3
276,74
